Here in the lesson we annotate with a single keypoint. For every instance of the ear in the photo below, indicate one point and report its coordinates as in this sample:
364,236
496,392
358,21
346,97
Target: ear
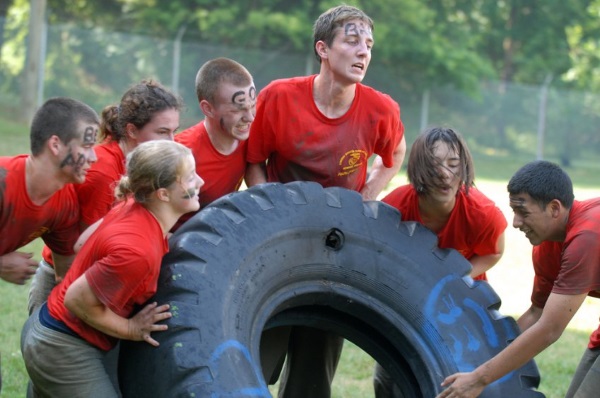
207,108
163,194
321,48
54,144
130,130
556,208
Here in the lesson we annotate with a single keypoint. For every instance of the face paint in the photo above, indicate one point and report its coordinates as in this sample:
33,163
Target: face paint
352,29
89,135
75,160
189,193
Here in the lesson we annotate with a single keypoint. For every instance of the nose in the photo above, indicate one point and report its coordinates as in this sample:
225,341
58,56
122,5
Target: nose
200,181
171,136
517,221
92,158
445,173
249,115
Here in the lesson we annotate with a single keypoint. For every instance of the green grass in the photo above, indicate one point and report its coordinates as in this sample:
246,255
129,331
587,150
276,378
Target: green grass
353,378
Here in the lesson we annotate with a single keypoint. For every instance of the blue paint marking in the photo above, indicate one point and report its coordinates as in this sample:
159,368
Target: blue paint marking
260,391
473,344
488,328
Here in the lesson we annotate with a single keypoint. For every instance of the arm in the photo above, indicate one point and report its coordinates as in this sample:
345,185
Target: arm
380,175
529,317
256,173
85,235
554,319
81,301
482,264
17,267
61,265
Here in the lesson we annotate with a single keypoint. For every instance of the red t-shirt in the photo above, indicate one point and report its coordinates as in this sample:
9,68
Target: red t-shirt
222,174
572,266
121,262
21,221
96,195
301,144
473,228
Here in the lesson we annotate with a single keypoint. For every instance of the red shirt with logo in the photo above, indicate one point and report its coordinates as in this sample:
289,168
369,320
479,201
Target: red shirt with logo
299,143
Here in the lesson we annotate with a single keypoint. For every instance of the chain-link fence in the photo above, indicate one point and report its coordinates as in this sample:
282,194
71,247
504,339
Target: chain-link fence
97,66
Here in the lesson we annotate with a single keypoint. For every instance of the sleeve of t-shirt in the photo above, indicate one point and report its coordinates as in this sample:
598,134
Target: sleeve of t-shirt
546,264
390,134
116,278
261,140
486,243
61,239
580,265
96,196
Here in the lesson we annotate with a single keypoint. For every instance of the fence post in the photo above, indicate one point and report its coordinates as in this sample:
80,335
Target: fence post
177,59
542,116
34,66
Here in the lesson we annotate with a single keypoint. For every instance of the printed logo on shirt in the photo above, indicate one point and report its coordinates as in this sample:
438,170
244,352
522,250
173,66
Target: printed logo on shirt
352,161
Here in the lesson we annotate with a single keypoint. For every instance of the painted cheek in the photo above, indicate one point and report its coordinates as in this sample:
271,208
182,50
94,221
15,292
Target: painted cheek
189,193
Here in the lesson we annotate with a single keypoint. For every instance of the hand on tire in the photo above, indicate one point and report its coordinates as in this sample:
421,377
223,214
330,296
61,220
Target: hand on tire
462,385
145,322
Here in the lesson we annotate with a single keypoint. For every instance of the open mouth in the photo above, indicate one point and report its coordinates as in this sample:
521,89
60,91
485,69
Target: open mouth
359,66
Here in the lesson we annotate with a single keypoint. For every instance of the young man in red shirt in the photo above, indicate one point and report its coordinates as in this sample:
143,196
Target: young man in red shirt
441,195
37,198
566,260
227,98
324,128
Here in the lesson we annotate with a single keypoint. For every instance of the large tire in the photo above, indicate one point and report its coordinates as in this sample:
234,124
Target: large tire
298,254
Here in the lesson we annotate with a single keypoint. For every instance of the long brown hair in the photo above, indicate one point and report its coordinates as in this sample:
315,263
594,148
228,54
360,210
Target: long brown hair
423,168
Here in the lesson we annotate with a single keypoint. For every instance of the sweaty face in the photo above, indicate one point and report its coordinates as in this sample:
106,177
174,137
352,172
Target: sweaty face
162,126
234,109
350,52
448,164
78,155
530,218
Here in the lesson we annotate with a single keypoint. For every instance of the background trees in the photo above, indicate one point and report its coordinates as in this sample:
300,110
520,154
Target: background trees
492,57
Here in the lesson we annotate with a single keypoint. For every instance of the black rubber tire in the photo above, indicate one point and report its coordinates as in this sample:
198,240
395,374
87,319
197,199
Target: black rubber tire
298,254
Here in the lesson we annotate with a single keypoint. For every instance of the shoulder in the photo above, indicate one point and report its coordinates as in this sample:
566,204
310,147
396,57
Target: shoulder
584,216
372,95
478,206
400,195
290,84
13,163
191,133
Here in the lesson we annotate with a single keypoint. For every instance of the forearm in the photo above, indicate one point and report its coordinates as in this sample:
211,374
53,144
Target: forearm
83,303
61,265
256,173
524,348
482,264
379,177
529,317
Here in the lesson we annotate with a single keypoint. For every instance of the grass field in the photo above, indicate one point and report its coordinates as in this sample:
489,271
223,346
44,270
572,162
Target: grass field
511,278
